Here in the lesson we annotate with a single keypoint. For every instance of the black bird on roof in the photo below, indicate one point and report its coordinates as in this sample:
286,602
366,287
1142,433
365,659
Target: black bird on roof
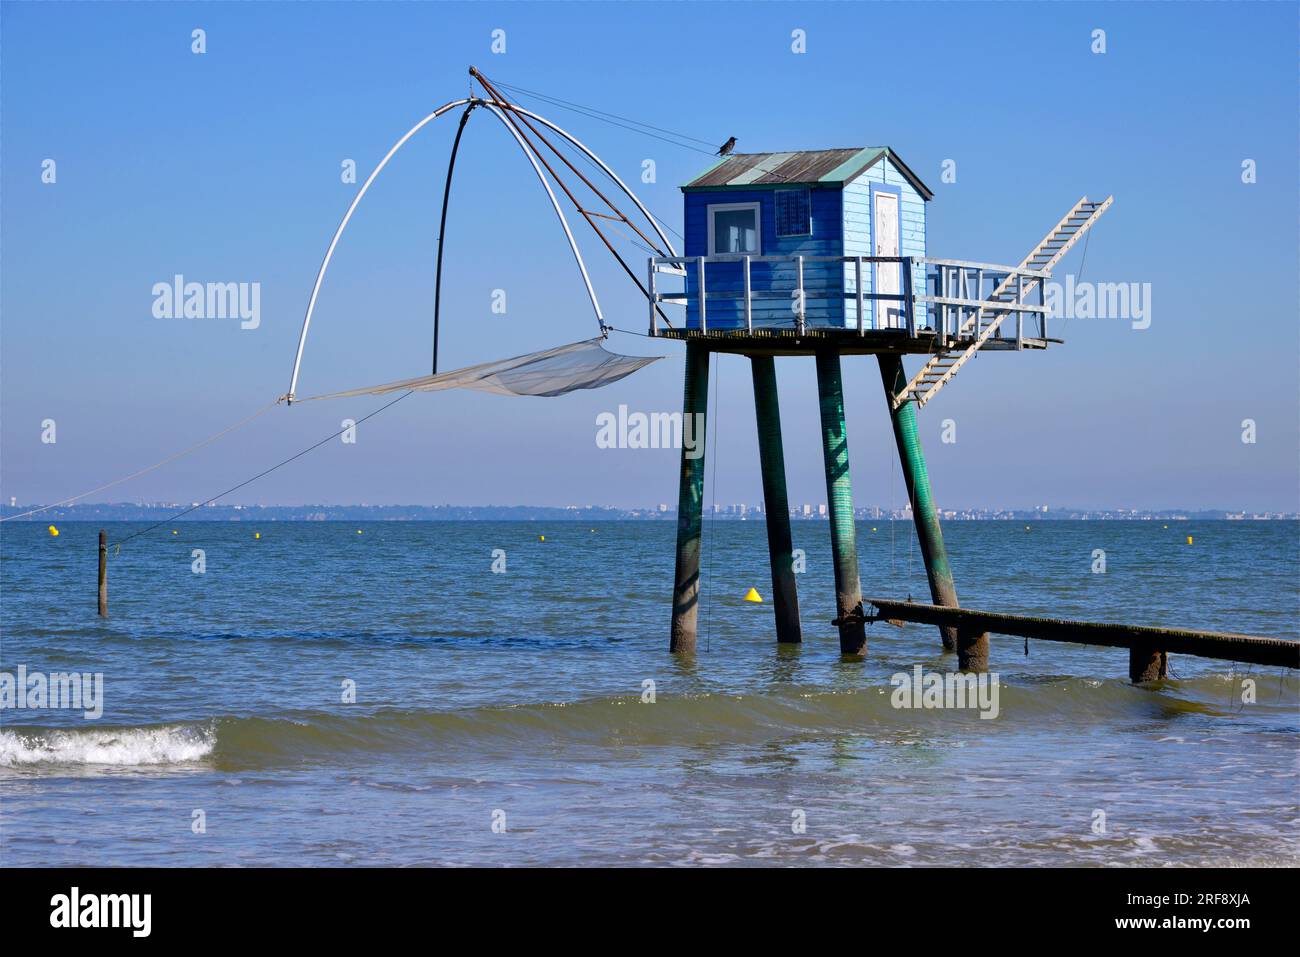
727,147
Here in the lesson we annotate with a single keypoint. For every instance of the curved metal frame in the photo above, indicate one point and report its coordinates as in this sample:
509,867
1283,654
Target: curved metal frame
495,108
605,169
329,253
442,231
573,243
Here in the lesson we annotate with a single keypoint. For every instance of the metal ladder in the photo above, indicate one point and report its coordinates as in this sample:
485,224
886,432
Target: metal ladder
944,365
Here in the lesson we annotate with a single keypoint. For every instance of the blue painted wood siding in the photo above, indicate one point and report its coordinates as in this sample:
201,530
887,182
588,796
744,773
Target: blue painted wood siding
823,282
858,233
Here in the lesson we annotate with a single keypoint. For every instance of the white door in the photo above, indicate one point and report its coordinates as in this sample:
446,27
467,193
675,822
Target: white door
888,278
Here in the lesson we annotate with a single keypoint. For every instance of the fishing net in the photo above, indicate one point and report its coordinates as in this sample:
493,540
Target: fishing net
563,369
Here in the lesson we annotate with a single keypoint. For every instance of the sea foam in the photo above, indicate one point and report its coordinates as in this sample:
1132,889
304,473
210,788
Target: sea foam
123,747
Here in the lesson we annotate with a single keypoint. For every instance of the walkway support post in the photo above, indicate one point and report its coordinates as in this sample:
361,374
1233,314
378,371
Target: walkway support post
972,649
839,499
1147,663
924,512
690,500
103,573
776,504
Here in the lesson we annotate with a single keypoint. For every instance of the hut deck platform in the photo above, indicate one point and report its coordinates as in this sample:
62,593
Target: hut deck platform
791,342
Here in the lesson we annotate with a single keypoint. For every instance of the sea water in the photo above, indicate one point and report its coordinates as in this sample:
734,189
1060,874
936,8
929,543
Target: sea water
334,694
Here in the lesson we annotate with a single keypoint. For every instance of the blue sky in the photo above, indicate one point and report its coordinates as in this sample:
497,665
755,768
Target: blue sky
225,167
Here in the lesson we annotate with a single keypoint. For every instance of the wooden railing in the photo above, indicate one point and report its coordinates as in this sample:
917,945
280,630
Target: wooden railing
961,293
956,292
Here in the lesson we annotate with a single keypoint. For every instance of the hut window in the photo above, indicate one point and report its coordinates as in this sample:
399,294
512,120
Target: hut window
793,212
734,230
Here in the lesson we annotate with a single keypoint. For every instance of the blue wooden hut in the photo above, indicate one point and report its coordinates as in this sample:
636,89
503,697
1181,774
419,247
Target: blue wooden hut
775,208
823,253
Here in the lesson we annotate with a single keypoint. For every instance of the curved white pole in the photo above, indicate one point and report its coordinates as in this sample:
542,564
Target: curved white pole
599,162
329,253
558,212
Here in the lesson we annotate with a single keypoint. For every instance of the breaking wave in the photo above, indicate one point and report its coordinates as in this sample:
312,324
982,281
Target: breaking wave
120,747
691,720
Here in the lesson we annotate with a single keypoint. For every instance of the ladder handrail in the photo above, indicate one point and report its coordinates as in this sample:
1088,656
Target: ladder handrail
924,385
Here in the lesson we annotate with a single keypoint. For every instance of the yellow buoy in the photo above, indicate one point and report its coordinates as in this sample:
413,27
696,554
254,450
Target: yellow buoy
873,528
1164,526
753,595
257,534
541,538
358,531
174,532
54,531
1189,539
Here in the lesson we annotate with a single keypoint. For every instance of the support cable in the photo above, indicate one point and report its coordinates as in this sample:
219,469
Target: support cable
501,100
645,129
1083,261
594,113
157,465
235,488
589,184
514,114
555,204
601,165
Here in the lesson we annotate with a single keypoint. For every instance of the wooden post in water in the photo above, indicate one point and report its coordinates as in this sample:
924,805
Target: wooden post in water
972,649
925,514
776,504
690,500
103,573
1147,663
839,499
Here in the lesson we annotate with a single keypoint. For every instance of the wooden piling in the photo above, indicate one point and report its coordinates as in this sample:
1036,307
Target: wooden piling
103,573
925,515
972,649
1147,663
776,503
690,500
839,499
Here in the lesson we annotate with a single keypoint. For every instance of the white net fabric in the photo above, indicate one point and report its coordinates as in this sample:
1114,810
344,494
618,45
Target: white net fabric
579,365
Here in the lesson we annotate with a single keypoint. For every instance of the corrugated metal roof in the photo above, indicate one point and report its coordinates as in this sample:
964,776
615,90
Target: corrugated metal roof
829,167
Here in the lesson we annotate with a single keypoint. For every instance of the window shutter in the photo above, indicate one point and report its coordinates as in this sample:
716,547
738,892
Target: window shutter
793,212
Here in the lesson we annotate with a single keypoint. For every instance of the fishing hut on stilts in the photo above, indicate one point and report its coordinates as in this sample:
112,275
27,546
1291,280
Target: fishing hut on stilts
816,253
822,253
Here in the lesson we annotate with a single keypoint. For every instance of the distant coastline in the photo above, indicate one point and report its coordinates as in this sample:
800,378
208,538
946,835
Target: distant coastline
158,511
